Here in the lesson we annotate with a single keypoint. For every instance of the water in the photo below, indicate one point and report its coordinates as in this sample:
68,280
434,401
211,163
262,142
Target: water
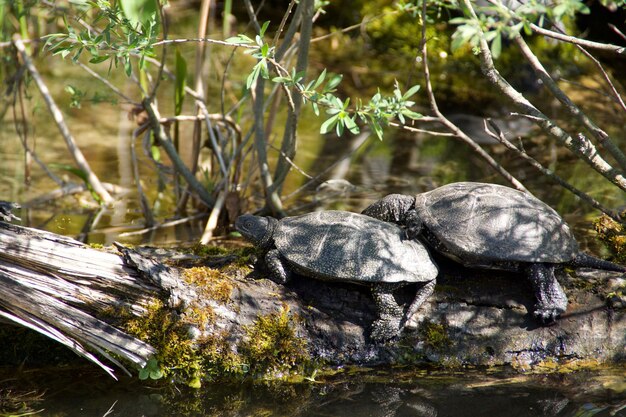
409,392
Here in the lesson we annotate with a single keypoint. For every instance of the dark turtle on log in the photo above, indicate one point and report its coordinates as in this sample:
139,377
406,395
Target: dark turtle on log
347,247
493,226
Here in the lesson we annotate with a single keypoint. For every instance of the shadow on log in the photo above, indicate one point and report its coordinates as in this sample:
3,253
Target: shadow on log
66,291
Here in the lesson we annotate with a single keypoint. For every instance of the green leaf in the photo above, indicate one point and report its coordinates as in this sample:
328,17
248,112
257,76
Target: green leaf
351,125
128,67
98,59
264,28
243,39
181,81
140,12
320,79
328,125
253,75
333,82
496,46
411,91
376,127
411,114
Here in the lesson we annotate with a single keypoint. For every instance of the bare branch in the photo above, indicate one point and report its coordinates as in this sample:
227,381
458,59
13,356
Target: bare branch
78,156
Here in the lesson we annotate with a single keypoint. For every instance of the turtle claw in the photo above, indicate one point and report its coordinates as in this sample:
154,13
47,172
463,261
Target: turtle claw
547,316
385,329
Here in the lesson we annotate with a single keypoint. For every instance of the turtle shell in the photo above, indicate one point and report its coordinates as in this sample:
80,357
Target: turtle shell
344,246
481,223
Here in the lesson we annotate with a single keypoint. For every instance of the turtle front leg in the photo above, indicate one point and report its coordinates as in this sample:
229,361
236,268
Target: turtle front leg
551,300
279,273
387,326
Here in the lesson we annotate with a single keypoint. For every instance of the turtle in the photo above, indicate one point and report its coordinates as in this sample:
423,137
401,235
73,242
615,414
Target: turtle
342,246
482,225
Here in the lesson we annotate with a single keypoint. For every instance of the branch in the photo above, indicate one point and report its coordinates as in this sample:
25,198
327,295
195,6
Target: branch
288,147
571,107
577,41
451,126
164,140
579,145
78,156
497,134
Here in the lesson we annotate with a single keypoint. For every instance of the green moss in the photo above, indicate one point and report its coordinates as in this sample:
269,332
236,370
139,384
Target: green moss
211,282
176,355
271,345
434,335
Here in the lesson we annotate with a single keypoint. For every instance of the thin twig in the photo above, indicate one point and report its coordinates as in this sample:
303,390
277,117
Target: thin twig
167,144
585,150
211,223
143,200
78,156
451,126
163,225
497,134
107,83
601,136
577,41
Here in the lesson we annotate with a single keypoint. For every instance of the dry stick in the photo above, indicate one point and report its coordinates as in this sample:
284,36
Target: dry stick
617,31
570,106
577,41
211,223
216,147
288,147
78,156
451,126
143,200
497,134
107,83
579,145
166,143
616,94
361,141
272,199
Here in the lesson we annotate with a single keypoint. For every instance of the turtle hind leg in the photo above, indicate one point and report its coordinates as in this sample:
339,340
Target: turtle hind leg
422,295
551,300
387,326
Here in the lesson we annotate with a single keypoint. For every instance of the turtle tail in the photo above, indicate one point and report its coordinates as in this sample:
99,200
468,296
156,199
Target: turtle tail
582,260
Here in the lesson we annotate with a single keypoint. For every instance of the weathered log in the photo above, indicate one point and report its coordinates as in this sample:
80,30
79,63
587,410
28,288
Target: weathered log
56,286
62,289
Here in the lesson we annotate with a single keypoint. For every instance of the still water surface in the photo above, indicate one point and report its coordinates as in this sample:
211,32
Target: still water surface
86,392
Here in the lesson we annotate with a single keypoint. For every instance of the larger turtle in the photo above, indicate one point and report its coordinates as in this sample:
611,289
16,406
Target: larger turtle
493,226
347,247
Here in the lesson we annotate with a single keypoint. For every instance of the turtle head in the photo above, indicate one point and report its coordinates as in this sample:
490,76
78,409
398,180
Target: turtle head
258,230
393,208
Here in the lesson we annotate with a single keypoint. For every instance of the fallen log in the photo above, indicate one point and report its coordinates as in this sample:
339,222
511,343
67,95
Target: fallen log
219,317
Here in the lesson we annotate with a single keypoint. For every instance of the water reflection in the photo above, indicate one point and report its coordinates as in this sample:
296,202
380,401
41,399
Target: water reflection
373,393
